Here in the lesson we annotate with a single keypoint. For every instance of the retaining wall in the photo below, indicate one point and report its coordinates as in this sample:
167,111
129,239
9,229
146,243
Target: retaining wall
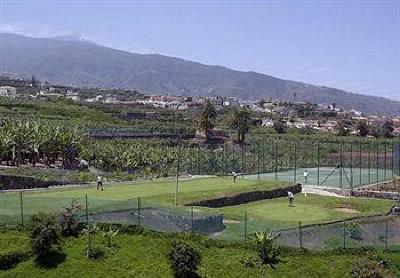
247,197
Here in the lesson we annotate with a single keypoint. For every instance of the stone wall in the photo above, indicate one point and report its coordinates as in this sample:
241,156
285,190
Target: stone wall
364,193
11,182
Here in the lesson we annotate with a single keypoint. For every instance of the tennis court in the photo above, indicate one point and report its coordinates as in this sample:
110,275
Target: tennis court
337,177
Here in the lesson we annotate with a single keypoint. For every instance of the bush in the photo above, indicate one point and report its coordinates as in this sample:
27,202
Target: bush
184,260
267,252
366,268
44,236
355,231
8,261
248,261
95,253
109,236
38,220
69,220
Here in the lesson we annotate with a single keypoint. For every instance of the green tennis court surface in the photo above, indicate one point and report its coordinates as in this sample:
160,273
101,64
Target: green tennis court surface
328,176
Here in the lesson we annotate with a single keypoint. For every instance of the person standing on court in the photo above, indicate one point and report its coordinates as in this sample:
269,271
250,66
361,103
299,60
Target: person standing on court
305,176
234,174
290,198
100,182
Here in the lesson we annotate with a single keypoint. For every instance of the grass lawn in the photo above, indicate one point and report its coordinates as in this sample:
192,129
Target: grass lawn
276,214
273,214
146,256
123,196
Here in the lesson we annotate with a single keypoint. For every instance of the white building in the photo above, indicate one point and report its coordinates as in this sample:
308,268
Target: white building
8,91
267,122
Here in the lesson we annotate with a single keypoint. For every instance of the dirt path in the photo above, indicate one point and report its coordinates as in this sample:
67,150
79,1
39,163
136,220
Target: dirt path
320,192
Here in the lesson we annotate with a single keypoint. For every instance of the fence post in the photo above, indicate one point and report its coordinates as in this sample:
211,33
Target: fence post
139,212
344,234
225,166
300,236
198,162
258,161
369,163
386,234
191,217
177,179
360,160
276,157
263,156
318,161
385,157
21,205
341,164
245,225
86,209
351,166
242,159
393,160
377,162
295,161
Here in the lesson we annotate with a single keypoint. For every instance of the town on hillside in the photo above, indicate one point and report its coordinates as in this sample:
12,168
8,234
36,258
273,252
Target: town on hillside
281,115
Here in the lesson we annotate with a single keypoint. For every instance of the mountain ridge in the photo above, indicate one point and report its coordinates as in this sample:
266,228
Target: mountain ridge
83,63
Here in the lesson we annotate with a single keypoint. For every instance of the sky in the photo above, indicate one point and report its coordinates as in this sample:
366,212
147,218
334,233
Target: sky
351,45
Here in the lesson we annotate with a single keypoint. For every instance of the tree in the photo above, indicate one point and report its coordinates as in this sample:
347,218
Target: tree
341,129
279,127
207,118
363,129
33,81
241,122
261,103
388,129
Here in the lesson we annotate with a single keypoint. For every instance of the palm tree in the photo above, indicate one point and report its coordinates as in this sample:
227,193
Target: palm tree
207,118
241,122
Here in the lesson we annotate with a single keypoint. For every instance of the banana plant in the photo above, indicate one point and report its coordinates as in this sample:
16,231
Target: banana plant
109,236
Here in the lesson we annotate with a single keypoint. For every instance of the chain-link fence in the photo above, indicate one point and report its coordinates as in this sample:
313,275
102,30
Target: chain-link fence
336,164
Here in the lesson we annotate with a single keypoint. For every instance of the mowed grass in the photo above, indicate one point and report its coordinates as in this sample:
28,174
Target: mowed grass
146,256
124,196
275,214
272,214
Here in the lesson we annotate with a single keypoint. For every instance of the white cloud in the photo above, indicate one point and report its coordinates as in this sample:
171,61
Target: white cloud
36,31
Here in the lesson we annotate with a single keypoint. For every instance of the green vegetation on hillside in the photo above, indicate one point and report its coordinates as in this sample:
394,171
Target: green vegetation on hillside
147,256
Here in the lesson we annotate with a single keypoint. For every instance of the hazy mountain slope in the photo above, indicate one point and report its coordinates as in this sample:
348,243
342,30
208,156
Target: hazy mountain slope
82,63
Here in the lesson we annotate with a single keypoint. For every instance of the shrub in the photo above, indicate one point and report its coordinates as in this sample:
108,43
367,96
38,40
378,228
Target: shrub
69,219
366,268
355,231
38,220
95,253
90,231
109,236
8,261
248,261
44,236
184,260
267,252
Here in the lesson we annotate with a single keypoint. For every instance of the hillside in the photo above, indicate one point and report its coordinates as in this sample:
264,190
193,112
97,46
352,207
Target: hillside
83,63
146,255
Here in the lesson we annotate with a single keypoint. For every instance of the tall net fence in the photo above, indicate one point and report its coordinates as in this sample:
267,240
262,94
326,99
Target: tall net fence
382,232
17,208
335,164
